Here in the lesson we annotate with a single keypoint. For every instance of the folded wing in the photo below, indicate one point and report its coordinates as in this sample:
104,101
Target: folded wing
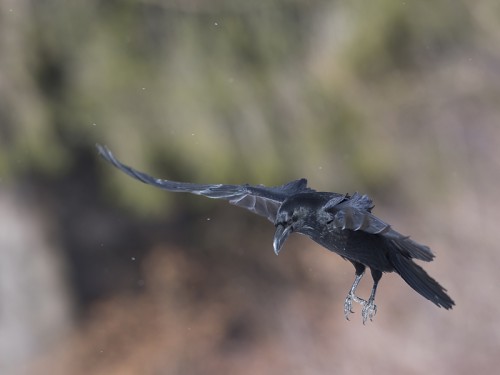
351,216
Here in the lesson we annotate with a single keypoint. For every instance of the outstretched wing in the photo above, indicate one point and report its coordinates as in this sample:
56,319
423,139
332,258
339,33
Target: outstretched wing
354,215
259,199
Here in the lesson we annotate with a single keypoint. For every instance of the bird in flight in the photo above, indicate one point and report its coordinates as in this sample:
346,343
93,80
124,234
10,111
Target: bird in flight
341,223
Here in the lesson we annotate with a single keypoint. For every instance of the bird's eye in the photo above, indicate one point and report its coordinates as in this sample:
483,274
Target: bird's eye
295,218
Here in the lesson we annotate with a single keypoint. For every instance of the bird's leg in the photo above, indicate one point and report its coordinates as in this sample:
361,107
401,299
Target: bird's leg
352,297
369,307
360,270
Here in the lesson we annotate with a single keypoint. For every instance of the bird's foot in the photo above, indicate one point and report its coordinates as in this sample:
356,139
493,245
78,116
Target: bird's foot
369,310
348,304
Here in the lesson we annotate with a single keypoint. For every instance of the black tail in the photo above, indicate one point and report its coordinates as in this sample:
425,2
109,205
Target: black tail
420,281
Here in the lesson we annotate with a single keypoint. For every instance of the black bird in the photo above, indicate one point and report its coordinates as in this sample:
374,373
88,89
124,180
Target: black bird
342,223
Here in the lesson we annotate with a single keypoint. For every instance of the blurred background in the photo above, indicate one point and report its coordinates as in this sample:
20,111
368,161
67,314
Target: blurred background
100,274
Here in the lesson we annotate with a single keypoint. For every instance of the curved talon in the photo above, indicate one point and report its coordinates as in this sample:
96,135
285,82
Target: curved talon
348,306
369,311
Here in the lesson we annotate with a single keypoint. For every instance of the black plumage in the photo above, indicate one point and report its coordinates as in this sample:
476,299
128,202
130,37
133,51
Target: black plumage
342,223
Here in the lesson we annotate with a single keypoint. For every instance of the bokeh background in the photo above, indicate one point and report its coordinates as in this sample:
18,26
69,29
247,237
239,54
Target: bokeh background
100,274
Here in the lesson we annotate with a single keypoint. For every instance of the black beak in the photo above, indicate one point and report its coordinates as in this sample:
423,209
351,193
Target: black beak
280,236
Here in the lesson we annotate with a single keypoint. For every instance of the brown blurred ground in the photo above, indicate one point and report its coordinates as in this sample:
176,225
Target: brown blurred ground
102,275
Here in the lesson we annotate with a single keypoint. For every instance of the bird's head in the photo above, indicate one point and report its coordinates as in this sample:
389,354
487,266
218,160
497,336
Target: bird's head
292,216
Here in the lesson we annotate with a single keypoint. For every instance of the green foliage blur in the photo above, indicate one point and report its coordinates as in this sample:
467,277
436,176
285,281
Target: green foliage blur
219,91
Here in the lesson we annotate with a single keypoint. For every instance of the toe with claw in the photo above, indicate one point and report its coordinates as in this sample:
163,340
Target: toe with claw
348,306
369,311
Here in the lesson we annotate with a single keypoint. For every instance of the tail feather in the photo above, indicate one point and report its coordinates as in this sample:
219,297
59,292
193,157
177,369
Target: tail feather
420,281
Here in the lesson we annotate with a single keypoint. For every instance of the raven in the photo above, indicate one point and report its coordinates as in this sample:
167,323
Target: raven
342,223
